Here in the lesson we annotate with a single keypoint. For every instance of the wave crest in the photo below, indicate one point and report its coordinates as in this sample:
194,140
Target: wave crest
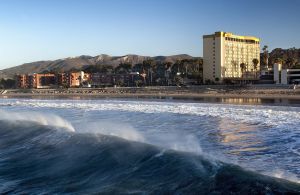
37,117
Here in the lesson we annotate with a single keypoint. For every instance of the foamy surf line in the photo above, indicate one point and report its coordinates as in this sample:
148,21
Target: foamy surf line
267,115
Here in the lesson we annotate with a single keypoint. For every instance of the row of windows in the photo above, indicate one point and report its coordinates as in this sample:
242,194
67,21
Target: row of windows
232,46
237,68
239,59
240,47
247,52
241,53
239,44
236,56
250,51
249,60
242,50
241,40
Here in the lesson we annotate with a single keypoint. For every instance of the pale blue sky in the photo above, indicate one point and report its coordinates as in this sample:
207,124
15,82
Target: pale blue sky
32,30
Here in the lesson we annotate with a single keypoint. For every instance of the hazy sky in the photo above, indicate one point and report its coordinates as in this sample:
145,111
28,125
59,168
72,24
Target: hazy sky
32,30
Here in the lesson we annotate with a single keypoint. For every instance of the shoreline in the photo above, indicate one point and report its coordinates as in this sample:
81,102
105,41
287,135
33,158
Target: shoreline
160,95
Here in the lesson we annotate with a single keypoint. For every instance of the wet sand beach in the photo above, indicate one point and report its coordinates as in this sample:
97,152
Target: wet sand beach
163,92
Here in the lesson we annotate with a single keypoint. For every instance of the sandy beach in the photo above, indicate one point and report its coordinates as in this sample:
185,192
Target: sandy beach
253,91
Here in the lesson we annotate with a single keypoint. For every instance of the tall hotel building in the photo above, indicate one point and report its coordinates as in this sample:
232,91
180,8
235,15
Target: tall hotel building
229,56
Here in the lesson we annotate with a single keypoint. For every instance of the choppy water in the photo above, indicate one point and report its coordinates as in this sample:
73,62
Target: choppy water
114,146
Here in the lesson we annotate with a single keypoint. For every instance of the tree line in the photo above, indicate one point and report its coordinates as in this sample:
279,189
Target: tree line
289,58
152,72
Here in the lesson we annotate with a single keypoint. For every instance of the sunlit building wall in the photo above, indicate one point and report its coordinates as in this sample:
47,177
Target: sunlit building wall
229,56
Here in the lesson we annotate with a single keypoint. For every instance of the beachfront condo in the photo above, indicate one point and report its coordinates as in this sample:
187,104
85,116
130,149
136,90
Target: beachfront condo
229,57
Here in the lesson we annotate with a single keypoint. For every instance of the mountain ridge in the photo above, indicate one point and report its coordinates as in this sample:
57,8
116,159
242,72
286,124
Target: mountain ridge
78,62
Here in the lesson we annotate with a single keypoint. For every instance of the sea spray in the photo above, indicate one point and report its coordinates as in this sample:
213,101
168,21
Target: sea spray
37,117
284,175
113,128
175,141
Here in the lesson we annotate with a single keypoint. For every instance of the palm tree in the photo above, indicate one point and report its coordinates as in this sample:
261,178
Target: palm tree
235,67
243,67
150,66
123,68
278,60
266,56
153,70
168,70
255,63
291,62
265,48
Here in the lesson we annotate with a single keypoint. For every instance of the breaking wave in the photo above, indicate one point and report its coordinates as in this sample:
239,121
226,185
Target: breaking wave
43,153
37,117
40,159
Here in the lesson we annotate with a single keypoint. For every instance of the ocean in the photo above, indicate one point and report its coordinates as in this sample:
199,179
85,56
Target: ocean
140,146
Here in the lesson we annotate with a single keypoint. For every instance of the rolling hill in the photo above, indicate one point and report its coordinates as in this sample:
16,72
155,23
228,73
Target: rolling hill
67,64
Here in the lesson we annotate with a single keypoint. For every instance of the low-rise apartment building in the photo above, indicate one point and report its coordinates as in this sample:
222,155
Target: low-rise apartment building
22,81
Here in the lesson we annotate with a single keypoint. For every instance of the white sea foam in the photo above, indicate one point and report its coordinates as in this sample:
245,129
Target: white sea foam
267,115
43,119
105,127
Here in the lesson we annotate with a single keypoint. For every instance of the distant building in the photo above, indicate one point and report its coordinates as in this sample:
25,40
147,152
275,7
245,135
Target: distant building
101,80
37,81
277,72
43,81
285,76
22,81
86,79
76,79
63,79
229,56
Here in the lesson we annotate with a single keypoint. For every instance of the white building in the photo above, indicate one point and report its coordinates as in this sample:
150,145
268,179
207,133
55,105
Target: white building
285,76
277,68
229,56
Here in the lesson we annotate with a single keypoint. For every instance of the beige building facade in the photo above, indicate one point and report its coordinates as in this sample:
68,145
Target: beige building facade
231,57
